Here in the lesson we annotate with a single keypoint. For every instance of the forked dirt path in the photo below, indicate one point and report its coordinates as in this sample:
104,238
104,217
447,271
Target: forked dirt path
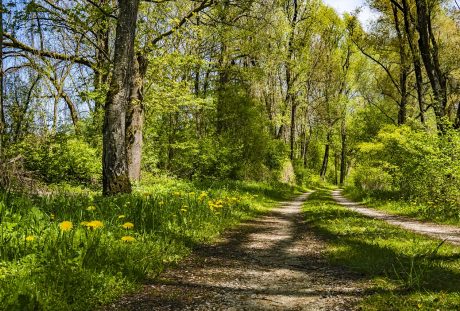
443,232
270,263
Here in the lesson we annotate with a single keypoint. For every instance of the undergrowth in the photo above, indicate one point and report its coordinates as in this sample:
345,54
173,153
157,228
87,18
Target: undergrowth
78,250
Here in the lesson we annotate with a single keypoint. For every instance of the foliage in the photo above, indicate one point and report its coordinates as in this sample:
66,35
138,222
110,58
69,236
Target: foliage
412,165
59,158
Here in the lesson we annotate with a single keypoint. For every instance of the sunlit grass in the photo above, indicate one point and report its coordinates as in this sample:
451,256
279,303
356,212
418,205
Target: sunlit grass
408,271
76,251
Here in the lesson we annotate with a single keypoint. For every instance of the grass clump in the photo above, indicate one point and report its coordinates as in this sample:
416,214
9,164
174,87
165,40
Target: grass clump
77,251
408,271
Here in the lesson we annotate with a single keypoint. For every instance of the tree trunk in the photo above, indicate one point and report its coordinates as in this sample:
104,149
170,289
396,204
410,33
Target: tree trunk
326,157
343,156
2,110
115,160
415,53
293,125
429,51
135,119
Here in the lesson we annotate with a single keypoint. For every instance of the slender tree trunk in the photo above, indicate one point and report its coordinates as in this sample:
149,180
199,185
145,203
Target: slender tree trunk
326,156
343,156
2,110
293,129
135,119
429,51
115,160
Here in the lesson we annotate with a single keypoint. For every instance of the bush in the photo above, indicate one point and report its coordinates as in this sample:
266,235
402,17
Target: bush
57,159
413,165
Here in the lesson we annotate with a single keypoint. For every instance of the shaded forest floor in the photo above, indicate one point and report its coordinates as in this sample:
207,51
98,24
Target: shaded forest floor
271,263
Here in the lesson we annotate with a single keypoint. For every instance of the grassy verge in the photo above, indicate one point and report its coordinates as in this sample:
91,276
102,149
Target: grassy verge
75,251
430,211
408,271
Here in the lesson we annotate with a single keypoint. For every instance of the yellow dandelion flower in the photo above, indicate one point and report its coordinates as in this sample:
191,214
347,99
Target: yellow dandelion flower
128,225
128,239
91,208
202,196
121,216
30,238
95,224
65,226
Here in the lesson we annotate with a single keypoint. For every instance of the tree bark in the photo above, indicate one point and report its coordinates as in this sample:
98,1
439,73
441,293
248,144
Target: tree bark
2,111
326,156
135,119
430,56
115,160
343,155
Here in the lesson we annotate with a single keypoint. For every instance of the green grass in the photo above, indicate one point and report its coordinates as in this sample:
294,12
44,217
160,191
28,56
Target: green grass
428,211
43,267
407,271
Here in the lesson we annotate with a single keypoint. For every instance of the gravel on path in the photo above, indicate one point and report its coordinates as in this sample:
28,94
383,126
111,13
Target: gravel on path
443,232
274,262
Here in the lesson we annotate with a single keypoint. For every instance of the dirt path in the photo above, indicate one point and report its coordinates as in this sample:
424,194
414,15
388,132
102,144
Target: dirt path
443,232
271,263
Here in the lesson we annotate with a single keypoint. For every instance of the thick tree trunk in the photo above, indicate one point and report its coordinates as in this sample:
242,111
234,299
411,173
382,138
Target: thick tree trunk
135,119
115,160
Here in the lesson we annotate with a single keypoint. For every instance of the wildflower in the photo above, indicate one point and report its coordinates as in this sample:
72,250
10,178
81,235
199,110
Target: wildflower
30,238
91,208
65,226
121,216
202,196
128,239
84,223
128,225
95,224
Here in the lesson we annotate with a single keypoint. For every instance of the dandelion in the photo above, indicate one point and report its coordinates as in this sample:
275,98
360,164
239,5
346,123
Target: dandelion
128,239
91,208
84,223
202,196
95,224
121,216
128,225
65,226
30,238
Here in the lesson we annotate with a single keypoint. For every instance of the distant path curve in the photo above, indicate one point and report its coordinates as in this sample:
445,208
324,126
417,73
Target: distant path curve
444,232
274,262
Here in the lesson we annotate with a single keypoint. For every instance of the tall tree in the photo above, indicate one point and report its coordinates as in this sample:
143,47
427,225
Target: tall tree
115,163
